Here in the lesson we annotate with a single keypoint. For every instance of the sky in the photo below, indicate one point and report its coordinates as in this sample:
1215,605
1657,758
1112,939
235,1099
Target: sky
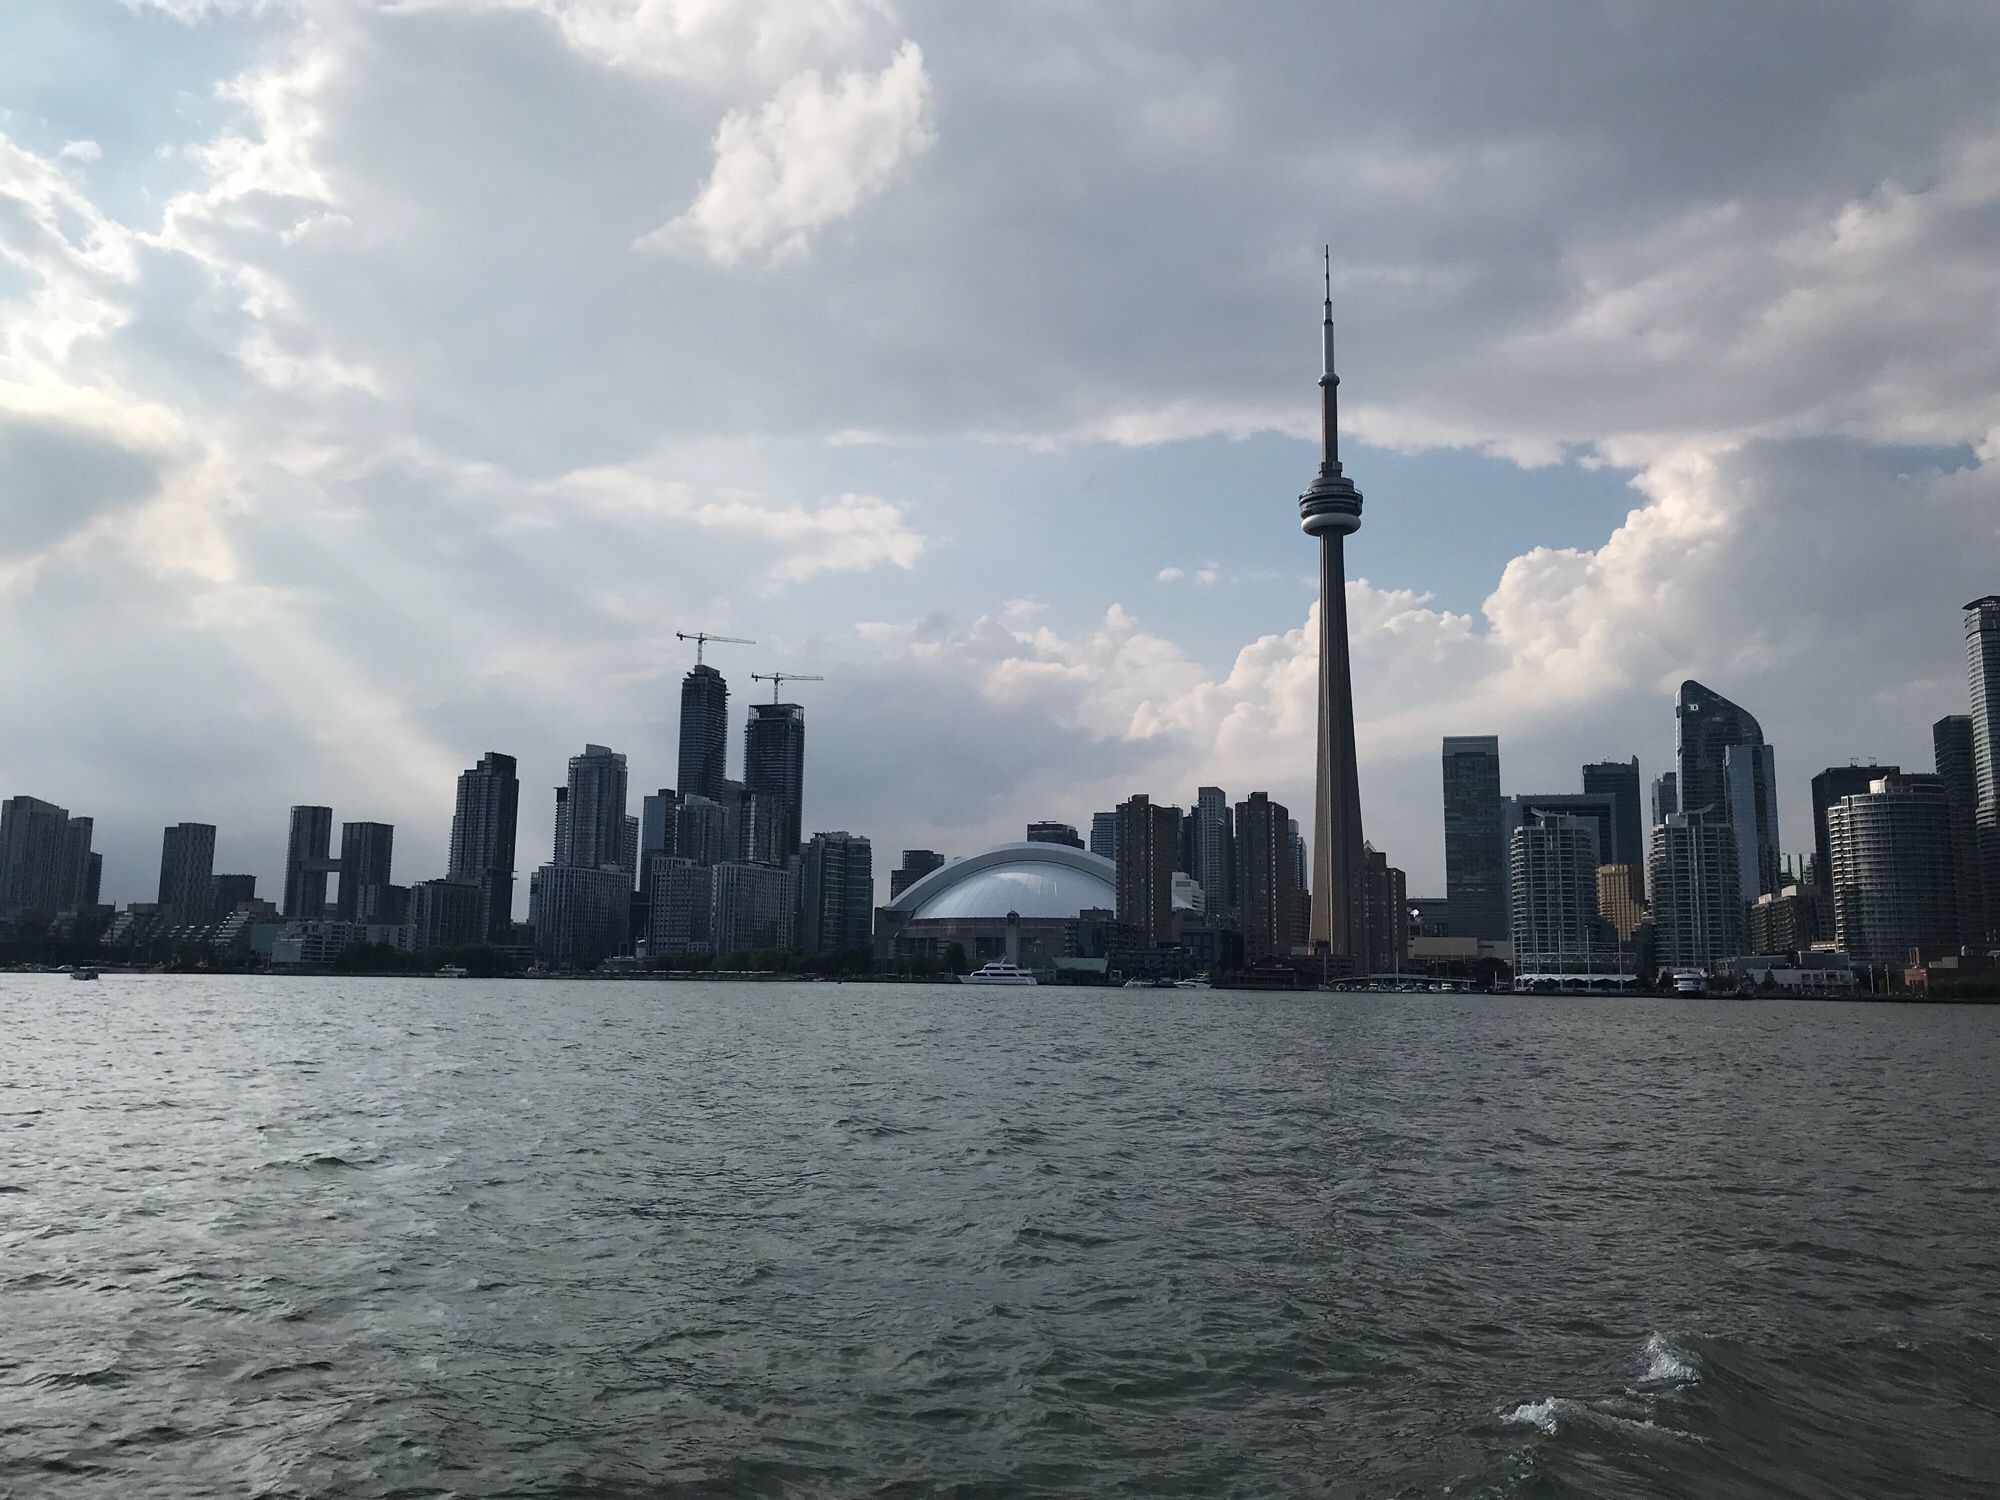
383,382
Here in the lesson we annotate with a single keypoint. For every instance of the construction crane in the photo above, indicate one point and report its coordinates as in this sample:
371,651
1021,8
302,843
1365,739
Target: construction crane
779,679
702,637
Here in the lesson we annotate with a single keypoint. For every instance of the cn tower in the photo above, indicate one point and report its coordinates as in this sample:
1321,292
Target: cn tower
1329,510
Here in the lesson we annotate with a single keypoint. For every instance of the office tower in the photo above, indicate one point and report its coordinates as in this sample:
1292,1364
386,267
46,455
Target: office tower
561,844
1666,797
227,892
1266,877
1958,769
1892,870
1104,834
1750,802
658,812
1211,839
450,913
581,914
1054,833
628,847
1388,926
593,811
1619,780
1828,788
1598,809
1982,670
34,836
307,863
187,863
774,767
1552,862
1331,510
917,863
751,908
1706,724
1475,848
1148,837
1697,897
836,905
366,852
1618,899
705,733
93,882
483,825
704,831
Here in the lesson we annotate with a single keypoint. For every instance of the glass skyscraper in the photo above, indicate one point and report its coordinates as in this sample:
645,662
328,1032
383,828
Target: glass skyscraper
1475,849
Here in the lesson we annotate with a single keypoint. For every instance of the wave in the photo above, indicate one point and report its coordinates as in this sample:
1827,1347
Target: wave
1666,1365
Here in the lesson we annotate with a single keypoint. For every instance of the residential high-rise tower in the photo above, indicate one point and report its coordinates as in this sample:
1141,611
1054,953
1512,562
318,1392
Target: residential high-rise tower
187,862
1982,670
1265,883
367,850
591,822
1958,773
774,768
483,826
1148,839
1893,877
307,863
1828,788
705,733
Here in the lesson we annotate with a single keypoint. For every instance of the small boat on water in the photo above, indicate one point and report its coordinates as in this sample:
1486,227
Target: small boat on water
83,973
997,972
1199,982
451,971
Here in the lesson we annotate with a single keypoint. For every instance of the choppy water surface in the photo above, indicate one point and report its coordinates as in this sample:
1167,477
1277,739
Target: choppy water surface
372,1238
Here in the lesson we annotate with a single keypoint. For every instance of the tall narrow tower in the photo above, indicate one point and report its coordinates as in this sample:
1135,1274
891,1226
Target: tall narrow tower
1329,511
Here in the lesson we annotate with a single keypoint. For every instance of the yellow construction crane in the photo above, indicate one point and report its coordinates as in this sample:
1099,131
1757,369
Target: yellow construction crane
702,637
779,679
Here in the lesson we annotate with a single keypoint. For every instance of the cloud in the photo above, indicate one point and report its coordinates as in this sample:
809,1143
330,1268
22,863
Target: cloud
808,158
1171,575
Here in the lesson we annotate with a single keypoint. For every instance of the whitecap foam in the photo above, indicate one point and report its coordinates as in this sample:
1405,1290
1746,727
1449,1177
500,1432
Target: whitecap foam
1665,1364
1540,1414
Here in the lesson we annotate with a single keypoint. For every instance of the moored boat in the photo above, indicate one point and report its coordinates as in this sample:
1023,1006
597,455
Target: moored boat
997,972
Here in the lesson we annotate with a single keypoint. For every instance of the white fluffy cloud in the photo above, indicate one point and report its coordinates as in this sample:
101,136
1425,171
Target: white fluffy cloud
808,158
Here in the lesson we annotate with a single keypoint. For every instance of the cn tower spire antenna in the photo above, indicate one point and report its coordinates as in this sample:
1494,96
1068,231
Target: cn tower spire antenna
1329,383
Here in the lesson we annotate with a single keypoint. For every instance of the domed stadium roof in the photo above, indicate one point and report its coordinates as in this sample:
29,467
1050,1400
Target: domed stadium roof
1040,881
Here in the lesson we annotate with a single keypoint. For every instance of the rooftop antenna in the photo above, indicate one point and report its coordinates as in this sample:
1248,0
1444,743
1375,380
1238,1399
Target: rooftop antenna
779,679
702,637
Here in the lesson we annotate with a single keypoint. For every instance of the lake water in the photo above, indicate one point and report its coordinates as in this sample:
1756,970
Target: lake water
400,1238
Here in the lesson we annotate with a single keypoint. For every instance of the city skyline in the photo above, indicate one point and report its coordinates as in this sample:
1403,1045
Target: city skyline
1624,427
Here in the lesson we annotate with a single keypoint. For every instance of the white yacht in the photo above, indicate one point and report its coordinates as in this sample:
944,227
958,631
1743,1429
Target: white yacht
997,972
1199,982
